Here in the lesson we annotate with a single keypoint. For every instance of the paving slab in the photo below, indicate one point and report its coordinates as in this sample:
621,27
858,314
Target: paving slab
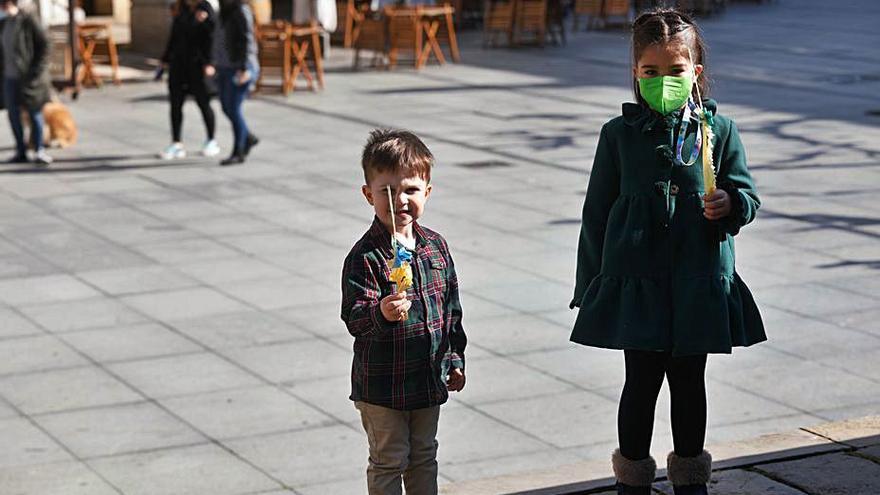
290,362
70,478
119,429
872,452
61,390
597,418
349,487
504,379
517,334
198,469
273,294
739,482
466,435
50,288
13,324
183,304
6,410
130,342
138,279
182,375
237,269
186,251
27,445
833,474
37,353
316,393
246,412
90,313
856,432
290,456
242,329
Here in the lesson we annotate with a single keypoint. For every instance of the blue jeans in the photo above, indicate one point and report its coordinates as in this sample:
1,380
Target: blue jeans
13,103
232,97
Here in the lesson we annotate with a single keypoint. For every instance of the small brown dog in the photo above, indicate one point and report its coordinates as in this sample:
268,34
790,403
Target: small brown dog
60,129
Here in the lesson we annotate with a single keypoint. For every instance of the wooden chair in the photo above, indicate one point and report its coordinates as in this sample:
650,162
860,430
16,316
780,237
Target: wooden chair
498,19
530,18
404,34
274,53
95,45
349,14
372,35
305,46
592,9
446,32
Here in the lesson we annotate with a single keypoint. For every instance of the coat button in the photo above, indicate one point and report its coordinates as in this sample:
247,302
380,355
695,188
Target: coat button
673,190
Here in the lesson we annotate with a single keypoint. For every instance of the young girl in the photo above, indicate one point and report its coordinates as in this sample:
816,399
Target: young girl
655,273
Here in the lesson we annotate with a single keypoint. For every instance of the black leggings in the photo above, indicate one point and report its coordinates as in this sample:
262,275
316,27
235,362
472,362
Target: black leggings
687,388
177,95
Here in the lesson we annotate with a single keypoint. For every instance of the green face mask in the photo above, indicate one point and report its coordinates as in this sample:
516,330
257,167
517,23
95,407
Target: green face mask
666,94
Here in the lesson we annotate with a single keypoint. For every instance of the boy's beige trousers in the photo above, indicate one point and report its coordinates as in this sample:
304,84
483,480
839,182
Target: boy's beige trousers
403,444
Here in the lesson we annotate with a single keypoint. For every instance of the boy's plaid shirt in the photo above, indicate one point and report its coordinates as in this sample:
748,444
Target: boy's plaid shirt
402,365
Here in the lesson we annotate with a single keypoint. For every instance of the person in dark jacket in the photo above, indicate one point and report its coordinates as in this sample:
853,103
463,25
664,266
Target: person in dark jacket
188,51
668,191
24,71
236,67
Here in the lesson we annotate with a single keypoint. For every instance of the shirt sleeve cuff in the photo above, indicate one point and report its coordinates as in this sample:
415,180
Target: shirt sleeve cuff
381,325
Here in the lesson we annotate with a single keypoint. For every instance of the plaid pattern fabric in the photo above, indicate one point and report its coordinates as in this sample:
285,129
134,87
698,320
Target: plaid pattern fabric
402,365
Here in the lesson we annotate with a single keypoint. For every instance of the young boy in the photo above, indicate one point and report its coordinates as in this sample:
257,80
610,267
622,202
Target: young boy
409,346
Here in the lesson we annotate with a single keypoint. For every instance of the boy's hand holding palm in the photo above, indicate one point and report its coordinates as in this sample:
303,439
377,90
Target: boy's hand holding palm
395,306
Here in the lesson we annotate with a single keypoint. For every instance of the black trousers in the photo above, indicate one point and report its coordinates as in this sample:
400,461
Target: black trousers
177,95
687,387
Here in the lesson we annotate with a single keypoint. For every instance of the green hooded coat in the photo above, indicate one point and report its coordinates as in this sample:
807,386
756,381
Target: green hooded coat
652,272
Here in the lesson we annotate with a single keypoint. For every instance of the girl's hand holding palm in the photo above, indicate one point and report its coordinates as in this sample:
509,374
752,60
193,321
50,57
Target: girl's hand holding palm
717,205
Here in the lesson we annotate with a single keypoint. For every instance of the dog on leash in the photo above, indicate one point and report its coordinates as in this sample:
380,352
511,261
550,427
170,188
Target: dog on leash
60,129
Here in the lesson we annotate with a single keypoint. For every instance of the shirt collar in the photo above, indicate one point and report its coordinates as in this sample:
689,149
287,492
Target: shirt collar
382,237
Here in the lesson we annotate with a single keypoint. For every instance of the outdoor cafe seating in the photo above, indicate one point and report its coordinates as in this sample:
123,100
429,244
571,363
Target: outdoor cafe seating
286,50
96,45
418,32
523,22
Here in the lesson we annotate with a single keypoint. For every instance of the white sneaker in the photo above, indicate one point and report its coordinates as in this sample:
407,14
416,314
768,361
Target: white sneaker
174,150
211,148
42,159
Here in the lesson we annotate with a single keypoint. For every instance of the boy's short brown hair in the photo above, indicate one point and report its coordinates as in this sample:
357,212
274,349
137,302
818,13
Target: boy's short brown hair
392,150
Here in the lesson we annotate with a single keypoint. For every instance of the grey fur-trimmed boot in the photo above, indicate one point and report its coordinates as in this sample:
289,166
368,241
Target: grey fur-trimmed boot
633,477
689,475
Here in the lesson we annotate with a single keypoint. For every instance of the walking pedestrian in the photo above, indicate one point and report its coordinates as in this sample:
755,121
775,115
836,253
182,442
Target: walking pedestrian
186,55
236,67
24,71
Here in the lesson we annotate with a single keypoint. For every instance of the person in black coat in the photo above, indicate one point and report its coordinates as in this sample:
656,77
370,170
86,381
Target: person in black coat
24,77
187,54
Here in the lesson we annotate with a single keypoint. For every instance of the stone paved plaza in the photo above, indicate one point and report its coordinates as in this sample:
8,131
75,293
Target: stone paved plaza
174,328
